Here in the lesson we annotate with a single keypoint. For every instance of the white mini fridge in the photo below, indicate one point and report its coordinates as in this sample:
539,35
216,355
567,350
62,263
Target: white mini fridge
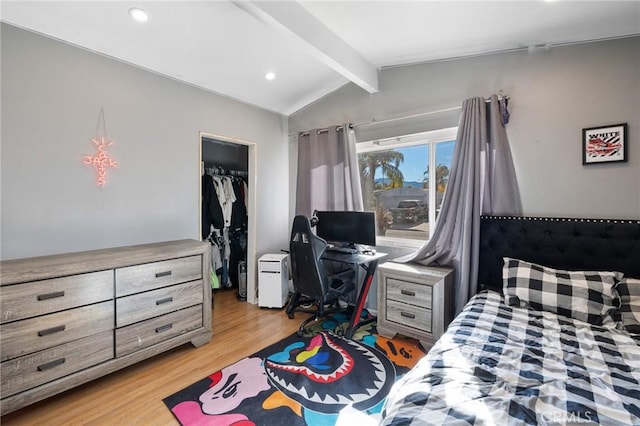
273,280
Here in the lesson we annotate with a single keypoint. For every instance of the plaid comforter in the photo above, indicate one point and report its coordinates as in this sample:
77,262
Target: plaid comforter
501,365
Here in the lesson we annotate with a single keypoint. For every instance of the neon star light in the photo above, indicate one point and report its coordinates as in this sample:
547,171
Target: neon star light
101,161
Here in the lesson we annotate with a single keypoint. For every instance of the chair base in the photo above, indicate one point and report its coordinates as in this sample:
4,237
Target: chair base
304,327
320,313
297,302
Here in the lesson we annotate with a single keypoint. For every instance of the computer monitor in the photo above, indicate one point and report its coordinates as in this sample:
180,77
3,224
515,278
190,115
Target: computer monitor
347,228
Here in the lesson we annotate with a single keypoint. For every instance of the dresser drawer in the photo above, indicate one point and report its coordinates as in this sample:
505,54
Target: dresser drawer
154,303
149,276
147,333
29,371
408,292
27,300
409,315
35,334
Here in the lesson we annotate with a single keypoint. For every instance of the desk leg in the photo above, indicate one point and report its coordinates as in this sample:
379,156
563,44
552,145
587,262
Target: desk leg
362,298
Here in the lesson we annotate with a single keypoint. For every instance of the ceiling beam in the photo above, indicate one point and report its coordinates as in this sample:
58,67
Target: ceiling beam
293,19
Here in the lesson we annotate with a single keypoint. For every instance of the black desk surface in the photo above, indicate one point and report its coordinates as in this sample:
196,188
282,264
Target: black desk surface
356,259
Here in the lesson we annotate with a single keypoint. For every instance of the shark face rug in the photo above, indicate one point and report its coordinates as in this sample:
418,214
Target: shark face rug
326,373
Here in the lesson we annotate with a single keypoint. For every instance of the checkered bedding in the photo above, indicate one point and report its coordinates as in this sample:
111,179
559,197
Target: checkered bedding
502,365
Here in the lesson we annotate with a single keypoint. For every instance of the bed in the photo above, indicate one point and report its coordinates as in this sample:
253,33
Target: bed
557,341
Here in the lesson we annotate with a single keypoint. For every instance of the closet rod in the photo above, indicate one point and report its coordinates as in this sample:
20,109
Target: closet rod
211,169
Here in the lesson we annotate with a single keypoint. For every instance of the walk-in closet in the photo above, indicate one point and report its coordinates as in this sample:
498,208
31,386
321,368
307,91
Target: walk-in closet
224,213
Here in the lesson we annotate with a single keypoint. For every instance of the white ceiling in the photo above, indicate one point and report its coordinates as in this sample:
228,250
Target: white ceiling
314,47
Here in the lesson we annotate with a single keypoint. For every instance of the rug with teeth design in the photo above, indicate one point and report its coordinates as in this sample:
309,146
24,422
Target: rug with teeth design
322,379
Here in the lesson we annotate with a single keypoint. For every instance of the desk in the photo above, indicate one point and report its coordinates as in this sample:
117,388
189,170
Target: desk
369,262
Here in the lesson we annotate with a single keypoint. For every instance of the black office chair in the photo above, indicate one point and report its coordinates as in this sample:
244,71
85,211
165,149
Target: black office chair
312,283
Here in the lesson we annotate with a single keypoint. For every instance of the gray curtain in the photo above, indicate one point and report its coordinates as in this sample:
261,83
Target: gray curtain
328,174
482,180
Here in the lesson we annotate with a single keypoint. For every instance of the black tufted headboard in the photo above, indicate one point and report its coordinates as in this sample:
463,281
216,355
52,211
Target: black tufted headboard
561,243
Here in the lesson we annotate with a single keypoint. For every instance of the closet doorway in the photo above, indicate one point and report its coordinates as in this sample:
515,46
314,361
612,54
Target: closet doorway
231,161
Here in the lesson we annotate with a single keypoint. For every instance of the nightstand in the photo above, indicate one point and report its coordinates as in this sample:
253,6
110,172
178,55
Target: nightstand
415,301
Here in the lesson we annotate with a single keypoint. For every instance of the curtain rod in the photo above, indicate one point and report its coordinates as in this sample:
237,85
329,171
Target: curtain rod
338,129
406,117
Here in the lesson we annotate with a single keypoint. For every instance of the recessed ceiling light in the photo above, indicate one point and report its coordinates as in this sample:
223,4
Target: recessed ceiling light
270,75
138,14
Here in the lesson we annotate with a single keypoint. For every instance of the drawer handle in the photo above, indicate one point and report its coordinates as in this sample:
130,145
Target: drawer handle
408,292
51,330
53,295
407,315
163,274
165,300
51,364
164,328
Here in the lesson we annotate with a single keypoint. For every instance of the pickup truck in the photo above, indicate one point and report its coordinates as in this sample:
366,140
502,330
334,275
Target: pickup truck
409,211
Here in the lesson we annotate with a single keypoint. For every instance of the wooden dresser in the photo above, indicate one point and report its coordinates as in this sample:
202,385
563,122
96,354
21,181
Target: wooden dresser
415,301
71,318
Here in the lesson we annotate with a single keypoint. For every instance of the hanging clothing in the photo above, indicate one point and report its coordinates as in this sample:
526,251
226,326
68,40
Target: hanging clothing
216,259
226,221
230,199
211,210
226,197
239,210
216,264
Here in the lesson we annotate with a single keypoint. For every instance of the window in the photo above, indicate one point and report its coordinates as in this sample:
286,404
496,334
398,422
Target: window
398,183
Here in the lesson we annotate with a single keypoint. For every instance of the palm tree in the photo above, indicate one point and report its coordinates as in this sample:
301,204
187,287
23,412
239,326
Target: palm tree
442,176
388,162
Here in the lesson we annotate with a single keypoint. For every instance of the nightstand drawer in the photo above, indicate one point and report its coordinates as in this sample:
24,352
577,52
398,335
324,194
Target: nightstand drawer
414,300
150,276
35,334
147,333
27,300
29,371
408,292
409,315
154,303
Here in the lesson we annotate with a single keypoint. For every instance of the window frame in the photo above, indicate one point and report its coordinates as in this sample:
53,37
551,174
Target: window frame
430,138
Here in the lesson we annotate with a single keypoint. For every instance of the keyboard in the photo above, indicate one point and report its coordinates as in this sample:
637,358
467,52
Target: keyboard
345,250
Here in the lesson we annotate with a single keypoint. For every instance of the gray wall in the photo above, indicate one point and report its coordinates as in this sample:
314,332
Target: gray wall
554,95
51,98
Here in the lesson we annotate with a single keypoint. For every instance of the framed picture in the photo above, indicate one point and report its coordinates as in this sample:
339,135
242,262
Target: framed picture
604,144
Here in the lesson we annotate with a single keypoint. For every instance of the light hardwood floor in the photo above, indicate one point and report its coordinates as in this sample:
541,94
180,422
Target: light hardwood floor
133,396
